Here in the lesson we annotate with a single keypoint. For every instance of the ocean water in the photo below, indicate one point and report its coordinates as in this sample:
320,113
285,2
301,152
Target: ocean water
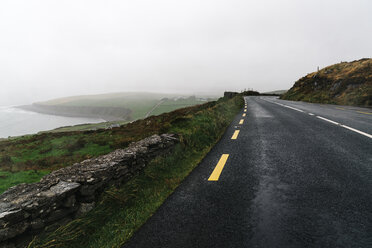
15,122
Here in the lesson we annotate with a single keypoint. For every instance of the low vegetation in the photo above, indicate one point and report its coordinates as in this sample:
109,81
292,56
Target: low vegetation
117,106
10,178
50,151
344,83
121,211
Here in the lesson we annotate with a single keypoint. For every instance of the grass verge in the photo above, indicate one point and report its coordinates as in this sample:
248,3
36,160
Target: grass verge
121,211
54,150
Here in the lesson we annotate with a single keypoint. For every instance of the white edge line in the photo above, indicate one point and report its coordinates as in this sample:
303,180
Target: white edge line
357,131
299,110
347,127
325,119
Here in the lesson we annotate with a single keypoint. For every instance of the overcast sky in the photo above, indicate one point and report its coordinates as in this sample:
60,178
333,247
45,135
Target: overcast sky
58,48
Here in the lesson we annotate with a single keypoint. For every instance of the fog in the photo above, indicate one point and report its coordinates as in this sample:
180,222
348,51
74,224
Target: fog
55,48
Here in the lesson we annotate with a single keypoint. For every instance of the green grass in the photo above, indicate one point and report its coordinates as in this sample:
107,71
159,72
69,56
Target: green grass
139,102
121,211
170,105
9,179
86,127
139,106
50,151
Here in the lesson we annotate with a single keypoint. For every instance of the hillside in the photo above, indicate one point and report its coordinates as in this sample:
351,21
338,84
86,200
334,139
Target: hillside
346,83
276,92
105,113
126,106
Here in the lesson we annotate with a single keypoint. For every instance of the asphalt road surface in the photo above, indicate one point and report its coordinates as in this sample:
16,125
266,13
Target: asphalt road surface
291,174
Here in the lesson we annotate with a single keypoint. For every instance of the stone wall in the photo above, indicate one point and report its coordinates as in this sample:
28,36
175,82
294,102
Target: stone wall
65,194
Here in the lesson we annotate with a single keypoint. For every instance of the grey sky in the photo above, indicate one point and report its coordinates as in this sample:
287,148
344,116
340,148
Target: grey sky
57,48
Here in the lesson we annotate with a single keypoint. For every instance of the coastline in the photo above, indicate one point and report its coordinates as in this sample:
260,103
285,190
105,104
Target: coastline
15,122
105,113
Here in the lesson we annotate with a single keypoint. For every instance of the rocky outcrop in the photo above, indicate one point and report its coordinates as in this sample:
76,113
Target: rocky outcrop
65,194
346,83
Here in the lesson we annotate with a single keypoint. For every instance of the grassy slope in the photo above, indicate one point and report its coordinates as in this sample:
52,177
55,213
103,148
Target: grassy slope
123,210
50,151
343,83
139,102
86,127
9,179
170,105
277,92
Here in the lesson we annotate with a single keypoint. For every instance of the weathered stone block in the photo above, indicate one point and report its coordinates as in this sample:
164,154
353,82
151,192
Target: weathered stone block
69,202
37,224
88,189
85,208
59,214
87,199
11,217
12,231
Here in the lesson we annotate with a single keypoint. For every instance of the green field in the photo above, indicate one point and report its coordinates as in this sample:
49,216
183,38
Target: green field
9,179
141,104
87,127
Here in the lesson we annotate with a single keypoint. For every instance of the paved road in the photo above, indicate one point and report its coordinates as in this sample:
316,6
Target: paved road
297,175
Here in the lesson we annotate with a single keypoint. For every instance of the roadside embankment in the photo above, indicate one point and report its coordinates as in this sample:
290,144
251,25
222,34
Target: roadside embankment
346,83
121,210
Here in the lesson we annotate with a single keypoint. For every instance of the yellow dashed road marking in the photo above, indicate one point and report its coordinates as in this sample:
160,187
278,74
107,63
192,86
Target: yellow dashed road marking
241,121
235,135
219,167
244,115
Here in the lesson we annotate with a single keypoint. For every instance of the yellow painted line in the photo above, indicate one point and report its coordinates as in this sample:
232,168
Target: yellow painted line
219,167
244,115
245,110
340,108
241,121
235,135
366,113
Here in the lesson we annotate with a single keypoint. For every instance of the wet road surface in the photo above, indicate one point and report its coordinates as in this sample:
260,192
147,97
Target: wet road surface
291,179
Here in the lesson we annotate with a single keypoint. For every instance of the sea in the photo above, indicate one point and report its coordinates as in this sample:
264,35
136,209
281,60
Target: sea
16,122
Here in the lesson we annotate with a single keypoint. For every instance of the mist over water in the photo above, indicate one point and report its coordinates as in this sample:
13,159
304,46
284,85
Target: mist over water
15,122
